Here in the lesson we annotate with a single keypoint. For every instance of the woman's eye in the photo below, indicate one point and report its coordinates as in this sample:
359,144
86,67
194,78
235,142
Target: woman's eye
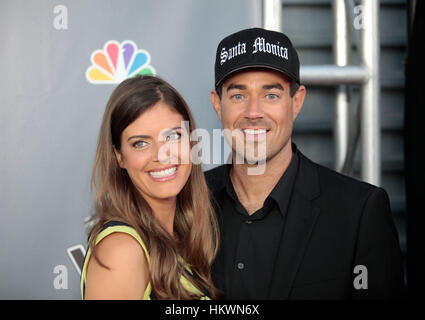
173,136
139,144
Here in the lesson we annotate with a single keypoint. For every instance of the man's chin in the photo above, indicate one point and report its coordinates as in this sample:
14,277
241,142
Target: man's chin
240,158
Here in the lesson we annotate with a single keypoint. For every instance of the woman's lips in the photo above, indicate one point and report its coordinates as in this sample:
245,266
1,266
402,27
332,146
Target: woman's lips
163,174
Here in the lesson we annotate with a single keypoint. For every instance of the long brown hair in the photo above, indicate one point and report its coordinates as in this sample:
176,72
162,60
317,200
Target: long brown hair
116,198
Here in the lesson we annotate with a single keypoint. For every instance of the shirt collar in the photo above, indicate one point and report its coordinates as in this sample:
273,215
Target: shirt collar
282,191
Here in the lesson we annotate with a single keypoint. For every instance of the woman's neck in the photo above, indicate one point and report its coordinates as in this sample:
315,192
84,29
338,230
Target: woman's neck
164,211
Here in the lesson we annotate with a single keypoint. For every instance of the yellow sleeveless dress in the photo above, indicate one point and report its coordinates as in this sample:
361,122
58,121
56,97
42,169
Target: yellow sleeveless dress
117,226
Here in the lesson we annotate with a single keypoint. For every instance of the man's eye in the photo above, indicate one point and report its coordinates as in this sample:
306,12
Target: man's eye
139,144
173,136
237,96
272,96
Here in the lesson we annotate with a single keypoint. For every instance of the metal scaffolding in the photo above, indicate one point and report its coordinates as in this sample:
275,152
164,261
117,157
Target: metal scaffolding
341,74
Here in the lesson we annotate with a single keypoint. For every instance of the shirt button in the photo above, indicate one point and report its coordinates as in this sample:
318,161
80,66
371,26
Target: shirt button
248,221
241,266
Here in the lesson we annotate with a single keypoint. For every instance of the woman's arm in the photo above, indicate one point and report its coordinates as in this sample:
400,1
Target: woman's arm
128,274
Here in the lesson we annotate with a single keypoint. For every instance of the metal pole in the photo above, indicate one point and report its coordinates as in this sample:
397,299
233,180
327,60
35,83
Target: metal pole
333,75
341,56
370,116
272,15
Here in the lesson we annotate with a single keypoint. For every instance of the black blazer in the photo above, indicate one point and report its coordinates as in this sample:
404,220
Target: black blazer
333,224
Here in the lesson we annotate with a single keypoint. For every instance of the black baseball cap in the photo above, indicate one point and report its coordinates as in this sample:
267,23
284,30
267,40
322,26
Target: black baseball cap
256,47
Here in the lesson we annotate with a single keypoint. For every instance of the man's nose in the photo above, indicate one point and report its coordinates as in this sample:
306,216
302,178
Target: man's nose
253,109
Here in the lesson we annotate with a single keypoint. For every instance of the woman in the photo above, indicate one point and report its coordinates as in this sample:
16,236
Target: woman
156,234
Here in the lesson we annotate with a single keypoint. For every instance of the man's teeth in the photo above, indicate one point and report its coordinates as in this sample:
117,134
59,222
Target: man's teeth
163,173
255,131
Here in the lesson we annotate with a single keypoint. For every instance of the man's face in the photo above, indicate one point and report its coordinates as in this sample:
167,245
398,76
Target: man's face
257,107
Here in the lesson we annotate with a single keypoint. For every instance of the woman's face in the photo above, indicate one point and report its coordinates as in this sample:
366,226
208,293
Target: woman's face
155,151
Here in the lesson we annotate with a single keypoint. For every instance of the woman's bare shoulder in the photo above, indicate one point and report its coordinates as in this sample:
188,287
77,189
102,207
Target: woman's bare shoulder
127,272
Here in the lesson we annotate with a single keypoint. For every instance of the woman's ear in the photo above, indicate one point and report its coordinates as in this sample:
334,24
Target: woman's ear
118,156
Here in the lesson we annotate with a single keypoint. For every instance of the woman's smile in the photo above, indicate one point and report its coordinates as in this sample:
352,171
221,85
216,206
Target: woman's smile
164,174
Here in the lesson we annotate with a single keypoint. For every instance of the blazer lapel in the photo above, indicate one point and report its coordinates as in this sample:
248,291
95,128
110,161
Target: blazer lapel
300,221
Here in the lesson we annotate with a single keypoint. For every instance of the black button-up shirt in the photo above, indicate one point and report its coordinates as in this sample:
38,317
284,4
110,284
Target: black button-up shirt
244,268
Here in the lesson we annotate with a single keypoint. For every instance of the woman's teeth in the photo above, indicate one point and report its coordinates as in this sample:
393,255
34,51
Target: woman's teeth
163,173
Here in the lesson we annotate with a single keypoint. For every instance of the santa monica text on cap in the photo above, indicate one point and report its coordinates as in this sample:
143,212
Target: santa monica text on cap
260,45
256,48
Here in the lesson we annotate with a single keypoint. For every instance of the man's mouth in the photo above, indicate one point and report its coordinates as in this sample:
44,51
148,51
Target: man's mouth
255,134
254,131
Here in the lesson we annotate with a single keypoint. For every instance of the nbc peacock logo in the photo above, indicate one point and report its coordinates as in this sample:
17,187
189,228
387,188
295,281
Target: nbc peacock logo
117,62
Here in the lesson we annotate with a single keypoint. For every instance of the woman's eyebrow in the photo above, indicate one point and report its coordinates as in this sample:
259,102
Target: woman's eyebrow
166,131
140,136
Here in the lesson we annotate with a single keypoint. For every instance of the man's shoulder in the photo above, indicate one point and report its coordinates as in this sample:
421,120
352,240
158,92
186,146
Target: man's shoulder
335,182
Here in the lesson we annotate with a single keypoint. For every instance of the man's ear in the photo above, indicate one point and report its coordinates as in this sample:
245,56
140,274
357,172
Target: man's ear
216,102
118,156
298,100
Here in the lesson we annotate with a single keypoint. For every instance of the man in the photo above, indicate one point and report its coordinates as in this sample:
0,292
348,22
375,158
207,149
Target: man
294,229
